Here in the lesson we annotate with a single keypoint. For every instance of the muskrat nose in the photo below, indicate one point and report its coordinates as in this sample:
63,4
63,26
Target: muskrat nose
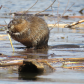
7,31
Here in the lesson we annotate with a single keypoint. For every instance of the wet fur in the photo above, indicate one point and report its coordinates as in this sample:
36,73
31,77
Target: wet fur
30,31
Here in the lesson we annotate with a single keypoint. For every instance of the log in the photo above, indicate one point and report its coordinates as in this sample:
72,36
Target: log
5,63
31,66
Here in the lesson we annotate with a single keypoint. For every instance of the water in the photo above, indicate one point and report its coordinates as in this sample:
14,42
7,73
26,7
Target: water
58,37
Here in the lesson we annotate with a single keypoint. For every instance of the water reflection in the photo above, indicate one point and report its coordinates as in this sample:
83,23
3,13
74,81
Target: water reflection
28,76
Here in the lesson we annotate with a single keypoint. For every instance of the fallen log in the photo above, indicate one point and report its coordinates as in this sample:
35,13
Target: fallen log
5,63
31,66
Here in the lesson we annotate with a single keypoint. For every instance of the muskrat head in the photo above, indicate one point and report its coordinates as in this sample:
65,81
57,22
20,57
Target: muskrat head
16,25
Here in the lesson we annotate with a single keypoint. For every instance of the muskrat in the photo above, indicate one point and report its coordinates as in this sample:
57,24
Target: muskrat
31,31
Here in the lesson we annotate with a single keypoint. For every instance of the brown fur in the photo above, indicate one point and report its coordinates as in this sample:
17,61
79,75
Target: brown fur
30,31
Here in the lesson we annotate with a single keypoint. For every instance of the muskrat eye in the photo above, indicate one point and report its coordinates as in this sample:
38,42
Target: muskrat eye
9,26
14,22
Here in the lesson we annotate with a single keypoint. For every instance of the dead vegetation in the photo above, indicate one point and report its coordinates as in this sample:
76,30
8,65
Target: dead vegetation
41,65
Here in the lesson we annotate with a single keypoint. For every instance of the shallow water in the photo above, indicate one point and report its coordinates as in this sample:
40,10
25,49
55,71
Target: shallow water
62,38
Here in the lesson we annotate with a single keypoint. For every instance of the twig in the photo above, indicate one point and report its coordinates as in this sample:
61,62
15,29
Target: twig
30,7
46,8
0,6
6,29
73,24
70,6
57,13
24,12
81,11
11,42
65,8
7,8
9,37
62,15
46,62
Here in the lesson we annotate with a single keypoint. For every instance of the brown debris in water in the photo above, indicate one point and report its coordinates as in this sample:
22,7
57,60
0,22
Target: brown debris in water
43,65
31,66
0,6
